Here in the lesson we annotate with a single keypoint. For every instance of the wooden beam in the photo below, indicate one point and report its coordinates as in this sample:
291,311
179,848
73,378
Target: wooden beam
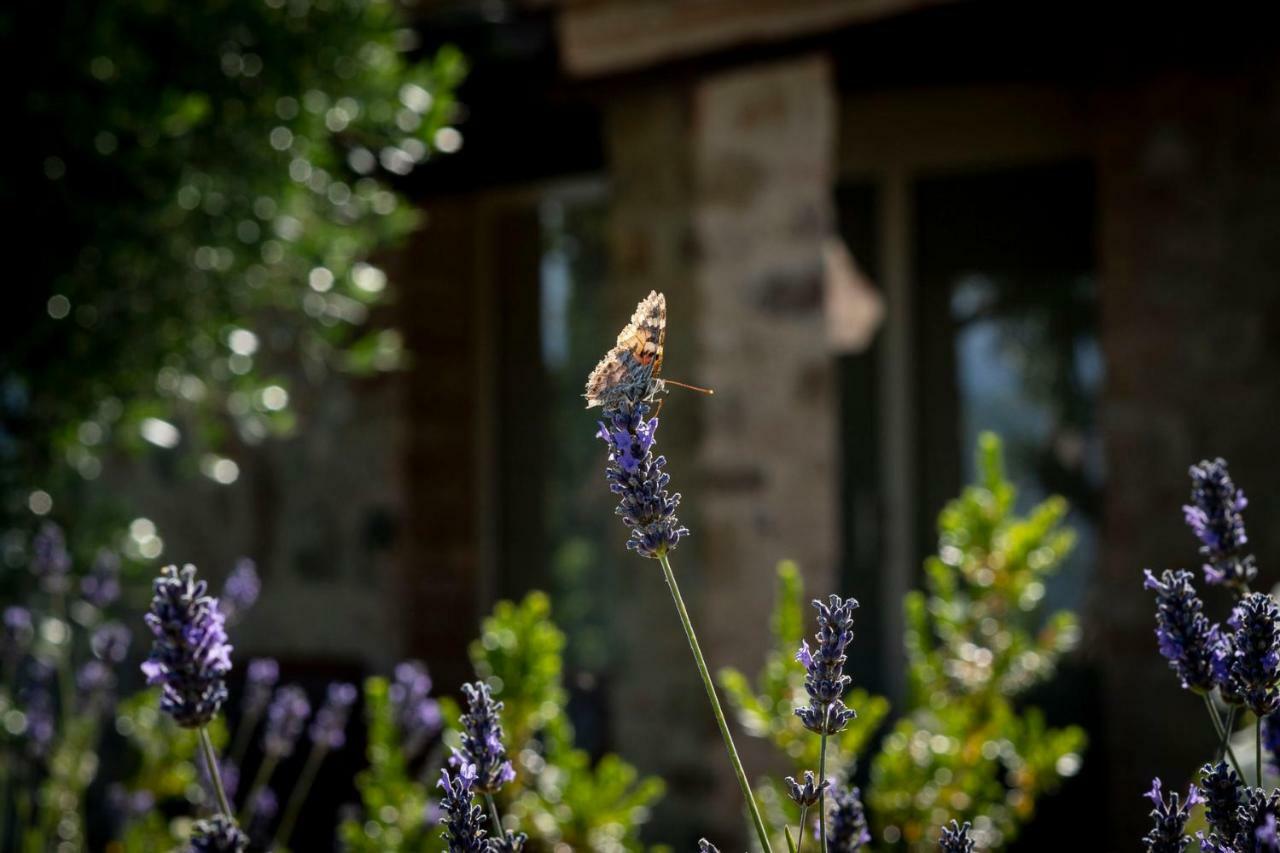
608,37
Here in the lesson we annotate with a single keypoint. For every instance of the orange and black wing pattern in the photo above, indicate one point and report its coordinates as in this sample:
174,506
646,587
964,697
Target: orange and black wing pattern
629,371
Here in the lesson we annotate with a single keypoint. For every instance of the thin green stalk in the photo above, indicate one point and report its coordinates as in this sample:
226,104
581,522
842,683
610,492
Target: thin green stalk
244,734
1257,749
493,814
822,793
215,775
756,819
66,684
1228,727
299,795
1223,733
260,779
804,813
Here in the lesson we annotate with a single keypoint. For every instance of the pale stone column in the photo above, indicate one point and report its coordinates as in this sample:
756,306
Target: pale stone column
764,140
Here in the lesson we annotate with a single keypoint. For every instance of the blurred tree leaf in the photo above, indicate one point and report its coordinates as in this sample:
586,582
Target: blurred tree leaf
199,191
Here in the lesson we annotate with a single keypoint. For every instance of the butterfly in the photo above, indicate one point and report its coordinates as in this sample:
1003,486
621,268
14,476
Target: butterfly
629,372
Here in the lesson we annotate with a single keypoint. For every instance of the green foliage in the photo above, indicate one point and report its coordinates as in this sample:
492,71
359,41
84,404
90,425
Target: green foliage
394,802
166,757
559,797
765,709
197,229
976,638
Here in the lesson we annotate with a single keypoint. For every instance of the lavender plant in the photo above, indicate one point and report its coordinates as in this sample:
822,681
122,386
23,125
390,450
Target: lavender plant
1238,661
58,661
975,640
623,384
190,659
560,796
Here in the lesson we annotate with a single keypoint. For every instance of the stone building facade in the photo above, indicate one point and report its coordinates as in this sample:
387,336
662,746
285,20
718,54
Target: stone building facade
734,150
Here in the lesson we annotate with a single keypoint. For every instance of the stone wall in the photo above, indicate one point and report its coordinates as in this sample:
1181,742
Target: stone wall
734,236
1189,179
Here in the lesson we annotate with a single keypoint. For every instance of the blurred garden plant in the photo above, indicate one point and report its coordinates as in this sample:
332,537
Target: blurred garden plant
60,660
962,746
200,227
1234,667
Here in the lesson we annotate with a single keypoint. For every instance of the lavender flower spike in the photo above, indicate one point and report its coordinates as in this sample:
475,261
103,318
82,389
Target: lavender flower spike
482,747
19,631
286,718
807,794
240,592
329,728
217,834
50,561
260,680
637,478
705,846
1254,668
1186,638
110,642
955,838
416,713
1215,516
849,831
463,820
1223,795
1170,819
825,681
190,657
101,586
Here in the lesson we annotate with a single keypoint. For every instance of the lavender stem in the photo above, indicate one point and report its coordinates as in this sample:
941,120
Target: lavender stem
701,663
215,775
299,796
822,793
1223,732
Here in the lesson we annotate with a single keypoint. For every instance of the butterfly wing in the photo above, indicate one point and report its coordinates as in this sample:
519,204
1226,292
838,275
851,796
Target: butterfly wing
628,370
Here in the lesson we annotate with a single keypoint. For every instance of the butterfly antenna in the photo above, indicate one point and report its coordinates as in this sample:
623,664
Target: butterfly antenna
708,391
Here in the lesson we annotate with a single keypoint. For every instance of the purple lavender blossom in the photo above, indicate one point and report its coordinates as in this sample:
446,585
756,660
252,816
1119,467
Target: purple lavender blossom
1223,796
241,590
954,838
19,631
262,811
416,713
848,830
463,820
101,586
217,834
38,707
1258,814
286,719
129,805
110,642
50,560
705,846
1254,667
825,681
510,842
1170,818
1215,516
190,657
329,728
1193,646
637,478
1266,834
1271,740
260,681
94,683
807,794
482,747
